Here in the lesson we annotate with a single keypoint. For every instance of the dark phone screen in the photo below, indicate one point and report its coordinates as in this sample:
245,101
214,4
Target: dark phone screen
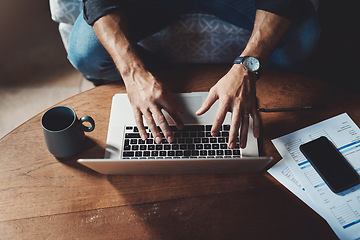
330,164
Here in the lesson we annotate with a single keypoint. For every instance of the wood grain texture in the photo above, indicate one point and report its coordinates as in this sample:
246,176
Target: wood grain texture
42,197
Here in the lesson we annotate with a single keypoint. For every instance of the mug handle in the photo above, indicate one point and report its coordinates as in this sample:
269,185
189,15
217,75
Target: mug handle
89,120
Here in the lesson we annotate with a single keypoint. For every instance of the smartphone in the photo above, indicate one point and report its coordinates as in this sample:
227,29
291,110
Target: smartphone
330,164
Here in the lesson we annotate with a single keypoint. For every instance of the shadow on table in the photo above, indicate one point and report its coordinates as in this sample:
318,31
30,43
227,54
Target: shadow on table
92,151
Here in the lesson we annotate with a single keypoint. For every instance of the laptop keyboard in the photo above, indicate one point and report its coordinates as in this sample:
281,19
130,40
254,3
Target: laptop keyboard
194,141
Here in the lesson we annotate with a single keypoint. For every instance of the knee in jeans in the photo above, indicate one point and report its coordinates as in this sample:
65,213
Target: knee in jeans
83,62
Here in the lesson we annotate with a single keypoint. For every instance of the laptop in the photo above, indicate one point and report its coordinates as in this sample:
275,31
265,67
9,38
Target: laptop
194,150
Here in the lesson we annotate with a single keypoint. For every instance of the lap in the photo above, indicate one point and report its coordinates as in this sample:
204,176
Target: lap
296,44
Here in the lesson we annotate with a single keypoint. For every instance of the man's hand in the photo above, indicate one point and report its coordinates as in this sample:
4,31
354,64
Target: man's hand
236,93
148,97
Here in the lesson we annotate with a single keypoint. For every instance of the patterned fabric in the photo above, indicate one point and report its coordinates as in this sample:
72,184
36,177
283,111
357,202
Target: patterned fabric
195,38
65,12
198,38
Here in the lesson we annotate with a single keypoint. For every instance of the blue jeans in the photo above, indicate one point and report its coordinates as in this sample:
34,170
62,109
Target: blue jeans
89,57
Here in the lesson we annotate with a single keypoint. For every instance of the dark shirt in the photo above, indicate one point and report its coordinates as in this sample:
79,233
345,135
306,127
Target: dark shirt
290,9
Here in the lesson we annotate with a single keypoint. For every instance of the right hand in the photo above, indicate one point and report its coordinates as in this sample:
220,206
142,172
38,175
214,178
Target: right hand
148,97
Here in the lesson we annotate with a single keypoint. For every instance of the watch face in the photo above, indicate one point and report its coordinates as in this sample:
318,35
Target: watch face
251,63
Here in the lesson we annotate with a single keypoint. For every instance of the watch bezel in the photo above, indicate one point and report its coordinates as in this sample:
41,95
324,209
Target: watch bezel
247,63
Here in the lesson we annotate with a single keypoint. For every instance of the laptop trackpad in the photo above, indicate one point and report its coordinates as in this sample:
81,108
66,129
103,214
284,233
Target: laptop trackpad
189,104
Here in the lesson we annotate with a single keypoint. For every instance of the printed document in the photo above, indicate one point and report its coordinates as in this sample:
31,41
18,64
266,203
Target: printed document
341,211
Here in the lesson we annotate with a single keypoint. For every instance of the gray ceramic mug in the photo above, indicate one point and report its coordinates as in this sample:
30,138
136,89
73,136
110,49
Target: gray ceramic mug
64,132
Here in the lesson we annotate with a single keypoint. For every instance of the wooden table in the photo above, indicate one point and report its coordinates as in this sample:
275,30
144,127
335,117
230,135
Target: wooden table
42,197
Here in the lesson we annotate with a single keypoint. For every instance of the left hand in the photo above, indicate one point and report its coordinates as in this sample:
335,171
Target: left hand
236,93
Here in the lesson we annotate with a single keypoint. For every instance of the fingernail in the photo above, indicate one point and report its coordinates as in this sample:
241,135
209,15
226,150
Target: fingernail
231,145
170,139
158,140
197,112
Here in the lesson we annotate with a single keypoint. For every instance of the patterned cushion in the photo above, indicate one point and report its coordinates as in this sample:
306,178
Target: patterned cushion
65,12
198,38
195,38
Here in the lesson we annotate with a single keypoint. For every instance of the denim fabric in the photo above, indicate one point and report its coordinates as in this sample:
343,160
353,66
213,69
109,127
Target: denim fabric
89,57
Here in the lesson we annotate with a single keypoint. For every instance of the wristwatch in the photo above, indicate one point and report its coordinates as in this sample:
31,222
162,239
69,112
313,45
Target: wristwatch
252,64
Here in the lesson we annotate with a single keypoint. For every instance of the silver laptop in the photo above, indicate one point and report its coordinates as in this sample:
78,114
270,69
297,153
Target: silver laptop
194,150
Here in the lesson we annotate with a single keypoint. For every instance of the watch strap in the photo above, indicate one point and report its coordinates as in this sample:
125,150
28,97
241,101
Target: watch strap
238,60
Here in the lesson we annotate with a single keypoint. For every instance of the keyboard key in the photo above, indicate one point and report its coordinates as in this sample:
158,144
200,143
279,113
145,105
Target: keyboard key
195,153
191,146
185,134
236,152
193,128
205,140
179,153
199,146
132,135
128,154
225,134
219,152
203,152
135,147
223,146
187,153
228,152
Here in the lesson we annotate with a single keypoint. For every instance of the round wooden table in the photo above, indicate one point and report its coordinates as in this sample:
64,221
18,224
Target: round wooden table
42,197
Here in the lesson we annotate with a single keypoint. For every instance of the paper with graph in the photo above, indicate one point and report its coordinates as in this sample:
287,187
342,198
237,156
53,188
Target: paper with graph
341,211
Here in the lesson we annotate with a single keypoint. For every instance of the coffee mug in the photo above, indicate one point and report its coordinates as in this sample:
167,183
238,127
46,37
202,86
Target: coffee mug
64,132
